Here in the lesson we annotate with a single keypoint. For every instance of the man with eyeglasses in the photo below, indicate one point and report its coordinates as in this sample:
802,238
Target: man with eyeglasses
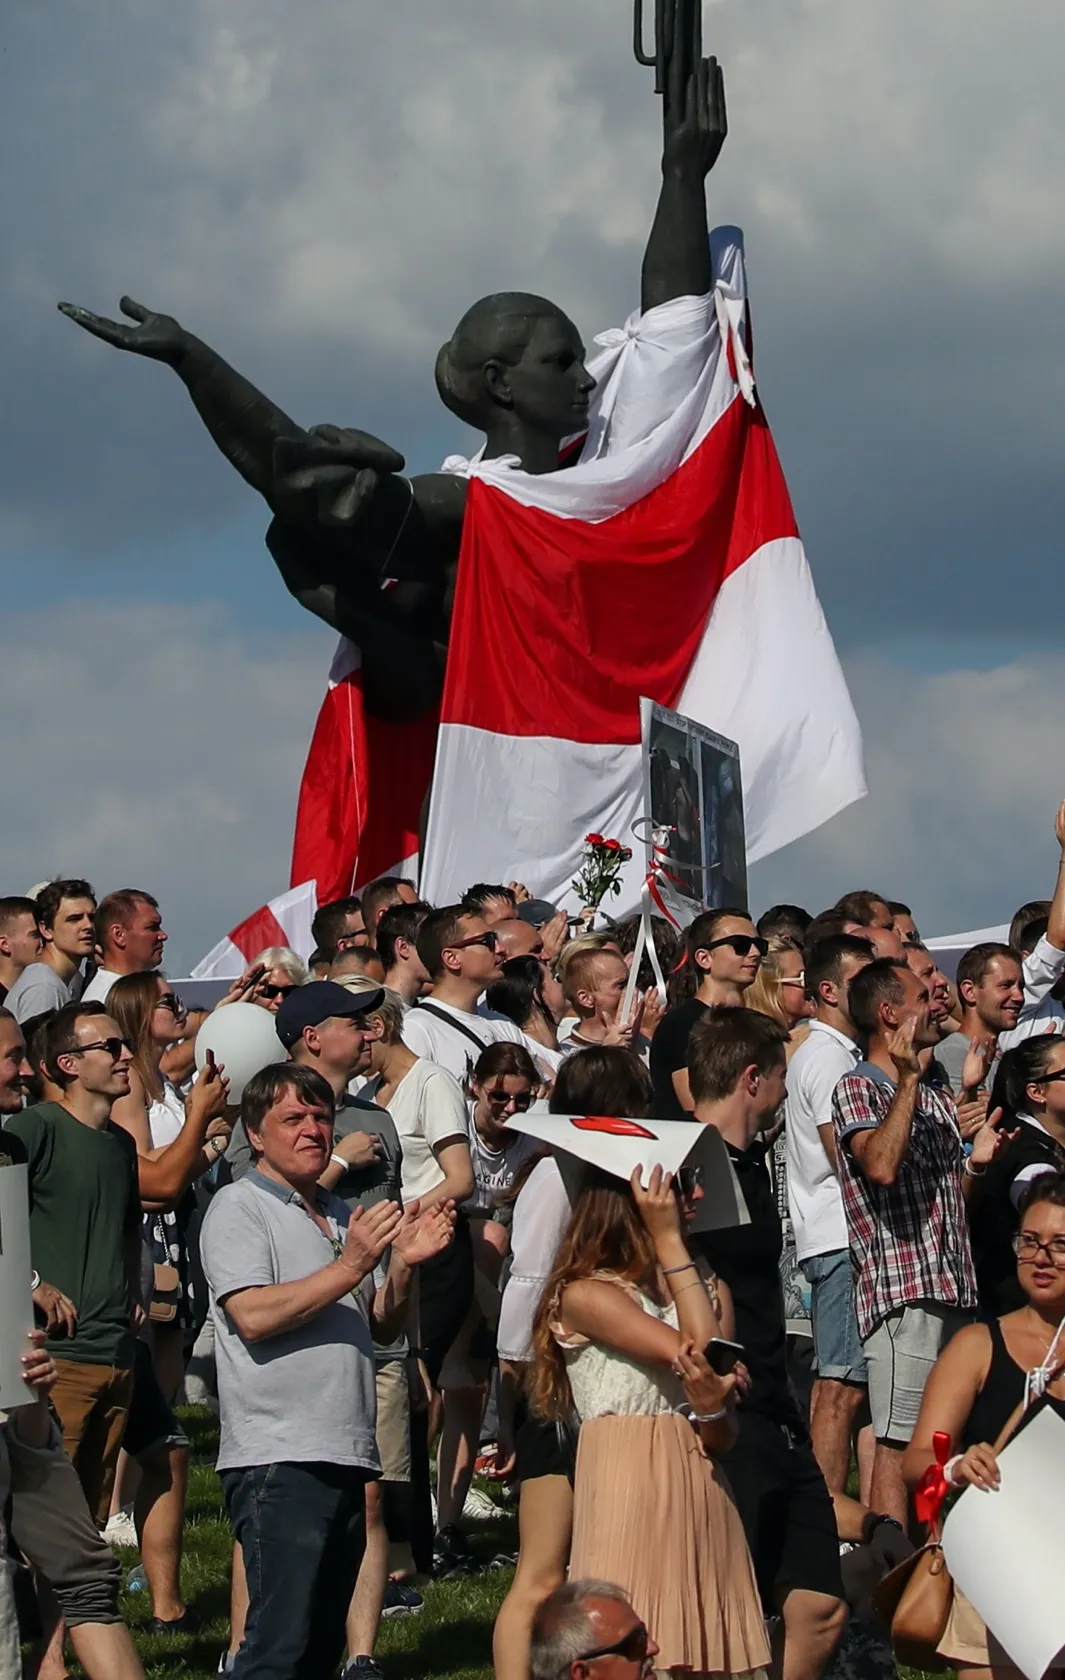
449,1025
130,937
588,1630
85,1228
724,955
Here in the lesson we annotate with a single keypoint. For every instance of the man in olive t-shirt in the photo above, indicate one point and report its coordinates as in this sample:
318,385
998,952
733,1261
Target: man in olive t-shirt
85,1235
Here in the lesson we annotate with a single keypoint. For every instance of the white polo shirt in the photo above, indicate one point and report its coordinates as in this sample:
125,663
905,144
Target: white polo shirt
1040,973
814,1197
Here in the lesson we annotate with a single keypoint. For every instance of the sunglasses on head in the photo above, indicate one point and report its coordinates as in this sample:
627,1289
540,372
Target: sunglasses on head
113,1046
742,943
489,940
633,1648
271,992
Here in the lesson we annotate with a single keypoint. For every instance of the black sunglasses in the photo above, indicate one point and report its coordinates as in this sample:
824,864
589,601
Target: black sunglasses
633,1647
113,1046
272,992
742,943
171,1001
688,1180
489,940
500,1099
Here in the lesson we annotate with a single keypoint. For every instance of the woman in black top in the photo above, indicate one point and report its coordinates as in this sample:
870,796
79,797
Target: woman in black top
985,1378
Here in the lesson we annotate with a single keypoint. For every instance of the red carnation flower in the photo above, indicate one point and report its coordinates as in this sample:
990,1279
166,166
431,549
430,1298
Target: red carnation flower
612,845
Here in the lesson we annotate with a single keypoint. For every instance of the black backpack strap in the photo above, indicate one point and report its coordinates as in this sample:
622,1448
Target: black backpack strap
450,1021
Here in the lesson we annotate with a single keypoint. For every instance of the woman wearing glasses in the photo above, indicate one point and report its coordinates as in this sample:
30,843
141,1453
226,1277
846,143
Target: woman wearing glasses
987,1376
618,1339
1030,1089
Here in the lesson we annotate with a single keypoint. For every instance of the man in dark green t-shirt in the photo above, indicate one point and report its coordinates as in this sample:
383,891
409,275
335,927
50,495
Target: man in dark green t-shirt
85,1234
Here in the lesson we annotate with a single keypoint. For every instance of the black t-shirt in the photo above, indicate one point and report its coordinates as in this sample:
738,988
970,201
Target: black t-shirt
993,1217
669,1053
747,1258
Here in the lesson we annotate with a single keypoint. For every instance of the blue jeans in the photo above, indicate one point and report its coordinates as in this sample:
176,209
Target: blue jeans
302,1530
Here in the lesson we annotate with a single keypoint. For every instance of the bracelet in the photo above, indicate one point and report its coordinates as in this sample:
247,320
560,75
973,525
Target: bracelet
949,1469
878,1519
339,1161
671,1271
974,1172
698,1284
709,1417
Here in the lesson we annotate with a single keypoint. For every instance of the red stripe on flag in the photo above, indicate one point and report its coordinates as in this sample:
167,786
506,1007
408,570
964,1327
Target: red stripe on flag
362,793
257,933
560,625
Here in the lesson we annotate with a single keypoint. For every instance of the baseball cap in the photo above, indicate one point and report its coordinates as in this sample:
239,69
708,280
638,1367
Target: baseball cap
536,911
309,1005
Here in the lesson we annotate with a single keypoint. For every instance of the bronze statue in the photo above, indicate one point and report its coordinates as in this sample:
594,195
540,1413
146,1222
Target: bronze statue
344,520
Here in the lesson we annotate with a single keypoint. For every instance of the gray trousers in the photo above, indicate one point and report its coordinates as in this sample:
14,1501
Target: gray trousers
52,1528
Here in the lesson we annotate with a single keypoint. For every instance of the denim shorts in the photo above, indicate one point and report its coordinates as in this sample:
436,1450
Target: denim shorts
838,1355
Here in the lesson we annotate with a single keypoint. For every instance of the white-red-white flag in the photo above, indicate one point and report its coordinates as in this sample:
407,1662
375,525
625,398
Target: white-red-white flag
286,920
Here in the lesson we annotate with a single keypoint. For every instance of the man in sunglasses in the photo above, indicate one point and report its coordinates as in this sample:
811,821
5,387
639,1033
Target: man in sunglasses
85,1221
588,1630
724,955
449,1025
129,936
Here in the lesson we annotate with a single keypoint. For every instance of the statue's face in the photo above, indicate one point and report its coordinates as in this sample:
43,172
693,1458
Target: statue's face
550,387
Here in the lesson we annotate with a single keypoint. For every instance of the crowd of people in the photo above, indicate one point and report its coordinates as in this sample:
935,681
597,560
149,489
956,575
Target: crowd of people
382,1286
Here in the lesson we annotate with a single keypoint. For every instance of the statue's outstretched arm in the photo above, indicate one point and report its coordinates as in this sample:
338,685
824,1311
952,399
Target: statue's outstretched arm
677,260
244,423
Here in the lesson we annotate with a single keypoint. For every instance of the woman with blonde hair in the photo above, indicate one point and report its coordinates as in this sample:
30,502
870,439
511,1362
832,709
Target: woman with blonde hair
618,1339
779,990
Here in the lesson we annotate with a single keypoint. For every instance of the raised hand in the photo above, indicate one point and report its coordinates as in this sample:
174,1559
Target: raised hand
423,1235
990,1139
979,1059
694,114
156,336
209,1095
656,1205
329,475
900,1049
370,1231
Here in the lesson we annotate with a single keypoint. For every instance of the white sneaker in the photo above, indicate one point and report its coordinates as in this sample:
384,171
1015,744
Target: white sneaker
121,1530
479,1507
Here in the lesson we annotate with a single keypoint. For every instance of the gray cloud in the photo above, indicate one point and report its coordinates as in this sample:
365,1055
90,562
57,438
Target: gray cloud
321,190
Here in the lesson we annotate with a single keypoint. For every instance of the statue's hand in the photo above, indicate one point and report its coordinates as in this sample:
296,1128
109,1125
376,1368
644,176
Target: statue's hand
157,336
330,473
694,112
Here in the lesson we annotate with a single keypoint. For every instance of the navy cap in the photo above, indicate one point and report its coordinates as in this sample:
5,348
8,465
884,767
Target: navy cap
318,1001
536,911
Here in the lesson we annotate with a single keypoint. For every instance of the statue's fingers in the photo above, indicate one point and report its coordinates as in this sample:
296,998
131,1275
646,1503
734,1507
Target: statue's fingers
329,433
704,82
112,332
697,33
135,311
344,509
718,108
675,58
382,456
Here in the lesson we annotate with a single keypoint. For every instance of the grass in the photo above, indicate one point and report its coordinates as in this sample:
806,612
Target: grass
451,1637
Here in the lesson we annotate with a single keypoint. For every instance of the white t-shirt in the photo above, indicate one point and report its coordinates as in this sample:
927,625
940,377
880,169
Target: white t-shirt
166,1117
428,1110
448,1046
1040,973
815,1200
542,1214
99,986
494,1170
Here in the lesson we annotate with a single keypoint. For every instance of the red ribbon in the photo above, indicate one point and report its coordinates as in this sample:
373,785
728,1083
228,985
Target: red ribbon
933,1487
651,883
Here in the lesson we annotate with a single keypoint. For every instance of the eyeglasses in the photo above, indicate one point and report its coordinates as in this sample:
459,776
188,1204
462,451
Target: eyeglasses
633,1648
500,1099
273,992
742,943
113,1046
793,980
489,940
688,1180
1049,1078
1026,1246
173,1003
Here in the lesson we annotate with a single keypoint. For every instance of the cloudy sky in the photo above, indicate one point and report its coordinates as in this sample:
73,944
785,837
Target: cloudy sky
320,190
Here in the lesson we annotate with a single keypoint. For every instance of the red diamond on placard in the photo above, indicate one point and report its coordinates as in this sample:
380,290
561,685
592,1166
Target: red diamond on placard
613,1127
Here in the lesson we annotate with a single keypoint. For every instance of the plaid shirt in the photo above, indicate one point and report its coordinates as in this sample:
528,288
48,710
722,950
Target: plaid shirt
909,1241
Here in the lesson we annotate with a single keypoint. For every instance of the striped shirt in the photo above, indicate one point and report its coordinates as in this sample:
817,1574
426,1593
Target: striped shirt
909,1241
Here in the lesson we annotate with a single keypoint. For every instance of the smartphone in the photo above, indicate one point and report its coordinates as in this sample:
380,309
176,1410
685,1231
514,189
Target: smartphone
722,1356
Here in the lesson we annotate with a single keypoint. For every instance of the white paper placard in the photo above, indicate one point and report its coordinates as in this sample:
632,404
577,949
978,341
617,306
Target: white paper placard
619,1146
16,1298
1004,1549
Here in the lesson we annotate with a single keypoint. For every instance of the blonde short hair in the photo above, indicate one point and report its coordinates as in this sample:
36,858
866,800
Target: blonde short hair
279,956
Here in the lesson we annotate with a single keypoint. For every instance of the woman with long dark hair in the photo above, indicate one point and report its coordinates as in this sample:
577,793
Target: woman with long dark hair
528,994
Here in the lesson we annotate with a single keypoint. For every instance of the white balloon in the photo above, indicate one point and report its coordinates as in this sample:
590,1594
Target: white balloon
243,1038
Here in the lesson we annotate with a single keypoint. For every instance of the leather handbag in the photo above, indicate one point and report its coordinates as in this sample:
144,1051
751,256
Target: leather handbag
166,1292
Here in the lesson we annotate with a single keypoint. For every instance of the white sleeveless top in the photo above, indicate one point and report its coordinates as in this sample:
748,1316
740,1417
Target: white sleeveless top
606,1383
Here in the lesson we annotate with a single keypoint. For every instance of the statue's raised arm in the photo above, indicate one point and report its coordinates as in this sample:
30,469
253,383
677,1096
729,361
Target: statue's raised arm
694,122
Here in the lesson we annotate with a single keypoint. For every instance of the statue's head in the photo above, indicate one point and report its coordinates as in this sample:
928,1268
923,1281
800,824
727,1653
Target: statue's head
518,356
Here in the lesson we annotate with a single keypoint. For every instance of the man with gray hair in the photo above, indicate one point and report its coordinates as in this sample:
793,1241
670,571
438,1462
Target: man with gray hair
590,1622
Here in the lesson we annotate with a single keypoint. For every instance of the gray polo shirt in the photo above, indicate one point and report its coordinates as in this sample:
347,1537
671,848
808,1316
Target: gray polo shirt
306,1396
